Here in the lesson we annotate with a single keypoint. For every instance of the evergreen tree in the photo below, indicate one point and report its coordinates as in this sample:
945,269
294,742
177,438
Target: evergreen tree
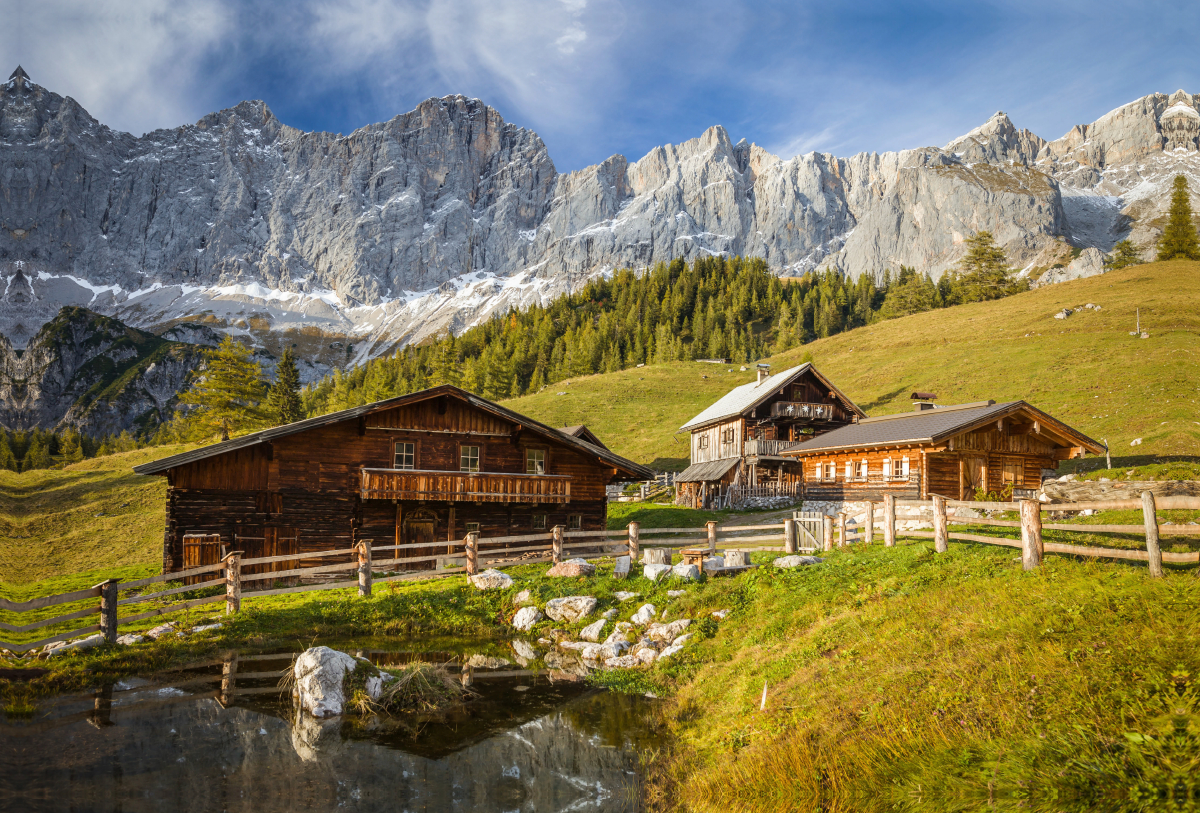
283,401
1179,240
8,460
1124,255
228,396
38,456
983,273
70,450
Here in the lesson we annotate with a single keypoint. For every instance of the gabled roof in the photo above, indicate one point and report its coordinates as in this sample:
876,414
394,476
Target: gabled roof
635,470
583,433
707,471
932,426
740,400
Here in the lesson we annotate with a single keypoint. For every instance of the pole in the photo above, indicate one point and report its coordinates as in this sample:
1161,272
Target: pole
712,538
1153,551
364,568
789,536
826,532
1032,550
941,537
889,520
472,546
233,582
869,538
108,609
842,541
557,544
634,543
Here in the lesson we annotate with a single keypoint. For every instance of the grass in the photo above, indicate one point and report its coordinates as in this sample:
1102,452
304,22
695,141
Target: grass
1086,370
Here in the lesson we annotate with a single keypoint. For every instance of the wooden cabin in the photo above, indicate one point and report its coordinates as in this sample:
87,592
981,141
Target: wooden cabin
950,451
583,433
428,467
739,442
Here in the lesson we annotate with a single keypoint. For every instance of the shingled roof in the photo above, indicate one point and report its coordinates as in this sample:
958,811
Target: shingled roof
932,426
741,399
636,471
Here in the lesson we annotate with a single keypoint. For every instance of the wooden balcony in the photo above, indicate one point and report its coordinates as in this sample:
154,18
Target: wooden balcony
757,447
802,411
461,486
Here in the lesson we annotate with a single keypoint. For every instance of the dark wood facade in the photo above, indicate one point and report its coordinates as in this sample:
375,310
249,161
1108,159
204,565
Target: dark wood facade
424,468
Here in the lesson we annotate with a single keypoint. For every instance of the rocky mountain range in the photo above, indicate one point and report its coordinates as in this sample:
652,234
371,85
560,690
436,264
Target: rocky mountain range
349,246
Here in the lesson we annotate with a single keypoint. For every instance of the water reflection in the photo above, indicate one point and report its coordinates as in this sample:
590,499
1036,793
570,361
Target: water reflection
208,743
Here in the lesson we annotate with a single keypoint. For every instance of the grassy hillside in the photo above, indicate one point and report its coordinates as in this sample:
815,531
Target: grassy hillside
91,515
1085,369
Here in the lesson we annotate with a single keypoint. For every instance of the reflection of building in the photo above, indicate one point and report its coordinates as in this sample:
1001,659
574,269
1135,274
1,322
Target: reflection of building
737,444
419,470
1180,123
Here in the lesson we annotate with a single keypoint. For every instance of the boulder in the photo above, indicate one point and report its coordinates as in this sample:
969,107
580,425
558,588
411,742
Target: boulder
737,558
478,661
669,651
655,572
682,639
491,579
524,651
320,674
676,593
657,556
687,572
592,631
205,628
526,617
522,598
128,640
796,561
623,662
572,567
570,608
665,633
644,615
720,614
82,643
159,631
621,568
713,563
609,615
624,595
646,654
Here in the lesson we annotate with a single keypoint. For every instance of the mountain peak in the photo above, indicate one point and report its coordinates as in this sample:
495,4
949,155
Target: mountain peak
19,78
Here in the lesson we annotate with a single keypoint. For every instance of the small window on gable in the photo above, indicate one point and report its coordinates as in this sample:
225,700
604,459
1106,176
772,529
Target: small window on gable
703,443
406,456
535,463
575,522
539,522
468,458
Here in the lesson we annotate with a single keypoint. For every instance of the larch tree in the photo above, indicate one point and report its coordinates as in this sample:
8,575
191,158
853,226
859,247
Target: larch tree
1124,254
228,396
1179,241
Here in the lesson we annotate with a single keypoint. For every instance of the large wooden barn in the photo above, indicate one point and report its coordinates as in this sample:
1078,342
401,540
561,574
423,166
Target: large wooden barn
428,467
738,443
951,451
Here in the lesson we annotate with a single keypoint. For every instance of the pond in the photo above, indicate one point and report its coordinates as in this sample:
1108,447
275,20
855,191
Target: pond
223,736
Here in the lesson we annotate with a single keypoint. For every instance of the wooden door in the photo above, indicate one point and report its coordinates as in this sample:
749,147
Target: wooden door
418,528
201,550
974,475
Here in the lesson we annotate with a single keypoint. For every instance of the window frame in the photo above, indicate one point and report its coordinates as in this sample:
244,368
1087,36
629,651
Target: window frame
831,471
545,459
537,522
462,447
575,522
703,442
395,445
467,529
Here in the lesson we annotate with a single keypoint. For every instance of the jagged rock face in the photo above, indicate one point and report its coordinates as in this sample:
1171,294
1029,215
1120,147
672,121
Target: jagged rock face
440,217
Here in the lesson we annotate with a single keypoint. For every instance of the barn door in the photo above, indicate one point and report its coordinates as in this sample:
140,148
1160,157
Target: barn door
262,541
201,550
974,472
418,528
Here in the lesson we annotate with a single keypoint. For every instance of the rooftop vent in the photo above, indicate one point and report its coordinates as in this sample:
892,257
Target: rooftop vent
923,401
764,372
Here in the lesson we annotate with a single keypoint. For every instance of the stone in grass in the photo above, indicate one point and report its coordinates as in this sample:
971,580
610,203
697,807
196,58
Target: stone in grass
572,567
682,639
524,597
737,558
526,617
720,615
714,563
623,662
609,615
623,595
621,568
205,628
570,608
676,593
657,556
687,572
592,631
796,561
491,579
655,572
159,631
130,639
83,643
669,651
644,615
667,632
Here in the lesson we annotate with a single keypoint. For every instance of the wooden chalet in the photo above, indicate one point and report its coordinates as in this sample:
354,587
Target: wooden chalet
428,467
946,450
738,444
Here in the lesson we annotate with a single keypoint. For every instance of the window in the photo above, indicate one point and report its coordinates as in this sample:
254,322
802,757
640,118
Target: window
575,522
468,458
862,469
849,470
887,468
471,527
535,463
727,436
832,468
703,442
539,522
406,456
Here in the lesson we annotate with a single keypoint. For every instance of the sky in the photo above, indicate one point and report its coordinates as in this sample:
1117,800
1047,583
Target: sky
599,77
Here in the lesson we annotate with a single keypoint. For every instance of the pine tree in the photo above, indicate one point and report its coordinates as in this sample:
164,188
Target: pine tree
983,273
1179,241
228,396
69,449
8,460
1124,255
283,401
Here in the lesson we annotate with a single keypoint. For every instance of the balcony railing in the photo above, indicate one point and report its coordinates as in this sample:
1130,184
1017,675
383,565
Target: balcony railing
757,447
802,410
455,486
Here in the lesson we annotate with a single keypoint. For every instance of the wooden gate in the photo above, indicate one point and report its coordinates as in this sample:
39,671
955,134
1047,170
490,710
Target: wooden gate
201,550
418,527
972,475
810,526
259,541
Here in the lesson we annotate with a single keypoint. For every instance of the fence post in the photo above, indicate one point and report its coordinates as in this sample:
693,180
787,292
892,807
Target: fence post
364,568
233,582
712,538
789,536
842,541
941,536
634,543
108,609
472,546
557,543
229,678
869,531
889,520
826,532
1153,551
1031,534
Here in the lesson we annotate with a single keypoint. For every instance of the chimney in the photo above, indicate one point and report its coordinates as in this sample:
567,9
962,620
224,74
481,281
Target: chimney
764,372
923,401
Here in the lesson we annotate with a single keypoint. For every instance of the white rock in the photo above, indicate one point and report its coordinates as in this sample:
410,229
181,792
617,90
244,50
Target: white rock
676,593
524,597
644,615
1135,442
83,643
205,628
682,639
609,614
623,595
623,662
479,661
491,579
621,568
320,674
714,563
592,631
128,640
572,568
611,649
647,655
570,608
667,632
159,631
737,558
796,561
655,572
669,651
524,650
688,572
526,617
720,615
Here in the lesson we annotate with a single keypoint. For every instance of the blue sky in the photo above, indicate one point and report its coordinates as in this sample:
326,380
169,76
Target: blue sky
597,77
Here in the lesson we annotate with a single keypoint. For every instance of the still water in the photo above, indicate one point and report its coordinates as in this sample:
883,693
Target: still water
180,743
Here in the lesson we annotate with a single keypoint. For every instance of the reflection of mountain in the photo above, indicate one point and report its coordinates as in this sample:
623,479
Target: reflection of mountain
193,755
